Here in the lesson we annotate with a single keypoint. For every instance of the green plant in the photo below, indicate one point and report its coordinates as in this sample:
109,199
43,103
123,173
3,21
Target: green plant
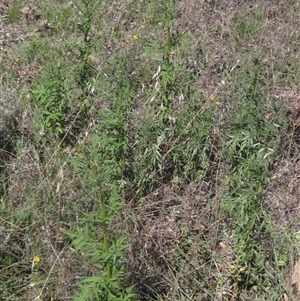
248,26
173,142
82,51
14,14
35,50
152,139
105,254
104,161
55,93
54,98
167,74
250,150
107,160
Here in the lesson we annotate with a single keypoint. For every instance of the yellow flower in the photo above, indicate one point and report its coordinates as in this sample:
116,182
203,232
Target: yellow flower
200,176
36,259
227,178
135,37
92,58
113,31
212,98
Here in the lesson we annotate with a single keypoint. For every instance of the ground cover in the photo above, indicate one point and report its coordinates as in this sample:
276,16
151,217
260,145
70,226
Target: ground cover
149,150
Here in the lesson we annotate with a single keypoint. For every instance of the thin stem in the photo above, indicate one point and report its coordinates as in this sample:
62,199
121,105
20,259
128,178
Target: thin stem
169,45
105,234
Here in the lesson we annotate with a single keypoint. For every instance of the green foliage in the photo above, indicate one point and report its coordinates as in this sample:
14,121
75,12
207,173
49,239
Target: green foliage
34,50
167,73
83,50
54,95
14,14
61,16
105,255
14,268
175,141
250,150
193,137
104,165
162,12
103,162
166,145
248,26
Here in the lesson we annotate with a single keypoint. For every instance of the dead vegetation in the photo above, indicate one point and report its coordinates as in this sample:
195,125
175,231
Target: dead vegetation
182,243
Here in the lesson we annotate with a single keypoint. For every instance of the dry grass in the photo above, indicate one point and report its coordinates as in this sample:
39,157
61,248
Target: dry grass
182,244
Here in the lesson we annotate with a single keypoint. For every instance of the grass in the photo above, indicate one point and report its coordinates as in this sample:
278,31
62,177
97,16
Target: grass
149,150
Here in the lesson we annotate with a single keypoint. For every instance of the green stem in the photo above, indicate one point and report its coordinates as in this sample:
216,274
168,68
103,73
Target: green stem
105,235
169,45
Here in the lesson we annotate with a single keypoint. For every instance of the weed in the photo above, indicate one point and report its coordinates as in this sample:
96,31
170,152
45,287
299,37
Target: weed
250,152
54,95
106,159
54,92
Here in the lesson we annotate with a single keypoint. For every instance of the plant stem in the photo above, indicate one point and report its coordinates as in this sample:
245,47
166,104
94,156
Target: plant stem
105,235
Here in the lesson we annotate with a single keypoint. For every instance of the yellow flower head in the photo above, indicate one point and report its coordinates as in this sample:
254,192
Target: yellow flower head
36,259
212,98
200,176
135,37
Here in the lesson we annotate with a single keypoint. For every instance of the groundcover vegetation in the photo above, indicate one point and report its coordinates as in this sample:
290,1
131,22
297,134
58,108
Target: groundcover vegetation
149,150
